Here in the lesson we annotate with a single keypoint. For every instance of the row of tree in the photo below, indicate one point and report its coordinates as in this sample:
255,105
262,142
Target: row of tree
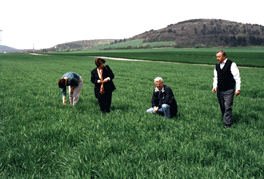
118,41
234,41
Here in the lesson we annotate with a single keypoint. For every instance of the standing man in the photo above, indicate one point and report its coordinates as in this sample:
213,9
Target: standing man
163,101
226,78
75,82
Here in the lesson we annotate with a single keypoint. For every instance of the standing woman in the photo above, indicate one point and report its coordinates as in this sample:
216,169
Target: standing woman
75,82
102,77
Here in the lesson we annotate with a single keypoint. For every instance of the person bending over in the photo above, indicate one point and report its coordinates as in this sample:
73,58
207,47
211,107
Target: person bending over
75,82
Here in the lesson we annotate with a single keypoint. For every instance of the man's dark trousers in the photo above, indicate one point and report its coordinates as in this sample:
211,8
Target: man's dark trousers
225,99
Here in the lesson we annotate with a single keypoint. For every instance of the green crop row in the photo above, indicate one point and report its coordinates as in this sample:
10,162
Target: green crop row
249,57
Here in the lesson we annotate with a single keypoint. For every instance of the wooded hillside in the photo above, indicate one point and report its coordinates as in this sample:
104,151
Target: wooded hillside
190,33
211,32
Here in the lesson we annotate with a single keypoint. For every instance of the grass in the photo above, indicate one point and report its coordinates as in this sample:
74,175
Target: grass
41,138
249,57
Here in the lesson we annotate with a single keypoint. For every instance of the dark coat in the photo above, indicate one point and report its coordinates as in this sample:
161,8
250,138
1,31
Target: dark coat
108,86
166,97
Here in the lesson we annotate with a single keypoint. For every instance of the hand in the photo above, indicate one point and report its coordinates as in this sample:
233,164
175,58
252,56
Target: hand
156,109
214,90
237,92
106,80
99,81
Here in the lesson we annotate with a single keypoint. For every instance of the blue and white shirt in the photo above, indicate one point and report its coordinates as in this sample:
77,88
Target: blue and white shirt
73,80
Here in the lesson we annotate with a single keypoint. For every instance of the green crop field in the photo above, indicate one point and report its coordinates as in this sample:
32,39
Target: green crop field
42,138
249,57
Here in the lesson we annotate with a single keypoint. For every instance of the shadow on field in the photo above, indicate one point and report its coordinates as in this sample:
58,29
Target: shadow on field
94,101
245,118
236,118
253,93
123,107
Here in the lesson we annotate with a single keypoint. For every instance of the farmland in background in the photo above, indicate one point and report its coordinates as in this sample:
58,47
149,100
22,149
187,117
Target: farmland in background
133,44
249,57
41,138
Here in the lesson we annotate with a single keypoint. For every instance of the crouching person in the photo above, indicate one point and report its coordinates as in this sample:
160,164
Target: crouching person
163,101
75,82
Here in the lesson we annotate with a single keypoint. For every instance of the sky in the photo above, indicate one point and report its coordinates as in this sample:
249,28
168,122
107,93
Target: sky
45,23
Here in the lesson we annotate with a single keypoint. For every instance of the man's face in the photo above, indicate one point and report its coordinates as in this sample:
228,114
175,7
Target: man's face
220,58
159,84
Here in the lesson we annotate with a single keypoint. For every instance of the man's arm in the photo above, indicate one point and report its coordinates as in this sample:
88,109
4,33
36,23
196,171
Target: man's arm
215,82
169,95
153,102
236,75
63,91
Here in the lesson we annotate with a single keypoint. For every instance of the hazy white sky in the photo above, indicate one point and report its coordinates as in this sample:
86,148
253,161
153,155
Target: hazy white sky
46,23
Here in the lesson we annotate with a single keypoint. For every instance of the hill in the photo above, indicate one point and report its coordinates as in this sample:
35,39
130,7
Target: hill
210,32
7,49
4,48
80,45
190,33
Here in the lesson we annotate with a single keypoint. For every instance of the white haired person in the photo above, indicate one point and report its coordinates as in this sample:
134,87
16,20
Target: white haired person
75,82
163,101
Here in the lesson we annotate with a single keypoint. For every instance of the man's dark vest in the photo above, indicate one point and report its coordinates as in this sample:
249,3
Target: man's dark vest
225,78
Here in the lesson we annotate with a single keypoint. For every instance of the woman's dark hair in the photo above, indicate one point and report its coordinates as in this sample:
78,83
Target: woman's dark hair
99,61
62,83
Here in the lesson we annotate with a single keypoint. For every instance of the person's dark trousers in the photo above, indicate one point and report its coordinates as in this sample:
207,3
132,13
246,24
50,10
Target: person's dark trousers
105,102
225,99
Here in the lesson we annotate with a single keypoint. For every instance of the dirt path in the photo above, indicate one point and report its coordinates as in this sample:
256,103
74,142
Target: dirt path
35,54
126,59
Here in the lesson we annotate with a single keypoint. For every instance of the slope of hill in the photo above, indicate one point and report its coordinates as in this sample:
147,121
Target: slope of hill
210,32
80,45
7,49
4,48
190,33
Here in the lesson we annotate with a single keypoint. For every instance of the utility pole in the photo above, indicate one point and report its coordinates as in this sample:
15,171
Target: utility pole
1,50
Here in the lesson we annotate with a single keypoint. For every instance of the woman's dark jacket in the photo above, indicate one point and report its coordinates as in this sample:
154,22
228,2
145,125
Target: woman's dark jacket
108,86
166,96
